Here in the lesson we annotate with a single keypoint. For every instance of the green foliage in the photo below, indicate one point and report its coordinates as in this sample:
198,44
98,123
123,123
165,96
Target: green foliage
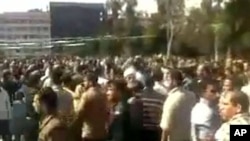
245,39
194,34
234,24
221,29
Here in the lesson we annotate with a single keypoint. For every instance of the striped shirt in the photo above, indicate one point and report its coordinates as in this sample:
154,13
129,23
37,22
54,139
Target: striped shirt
152,109
223,133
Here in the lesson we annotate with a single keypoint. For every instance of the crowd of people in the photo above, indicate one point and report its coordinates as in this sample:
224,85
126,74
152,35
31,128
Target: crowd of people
121,99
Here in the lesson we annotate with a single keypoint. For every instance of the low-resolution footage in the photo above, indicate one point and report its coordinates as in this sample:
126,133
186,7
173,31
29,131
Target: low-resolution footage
124,70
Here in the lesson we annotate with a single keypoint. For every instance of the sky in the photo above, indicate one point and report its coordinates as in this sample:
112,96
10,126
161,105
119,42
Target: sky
24,5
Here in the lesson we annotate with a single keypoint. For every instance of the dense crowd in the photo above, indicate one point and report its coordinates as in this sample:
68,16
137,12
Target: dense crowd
122,99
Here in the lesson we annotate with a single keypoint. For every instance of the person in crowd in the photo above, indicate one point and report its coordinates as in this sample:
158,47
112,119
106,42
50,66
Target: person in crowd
135,109
79,90
132,74
205,118
32,106
46,79
67,86
18,121
52,128
9,84
239,77
5,115
228,85
131,113
233,108
228,73
157,75
175,121
118,114
203,73
152,110
166,81
188,79
65,99
94,100
77,77
246,89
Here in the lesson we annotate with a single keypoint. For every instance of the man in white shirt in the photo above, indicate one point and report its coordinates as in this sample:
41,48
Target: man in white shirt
205,119
175,121
246,89
5,114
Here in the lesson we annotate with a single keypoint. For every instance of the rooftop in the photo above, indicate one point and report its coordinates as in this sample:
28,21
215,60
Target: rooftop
77,4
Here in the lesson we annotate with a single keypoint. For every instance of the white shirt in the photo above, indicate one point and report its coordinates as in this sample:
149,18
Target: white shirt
158,87
203,115
5,107
177,113
246,90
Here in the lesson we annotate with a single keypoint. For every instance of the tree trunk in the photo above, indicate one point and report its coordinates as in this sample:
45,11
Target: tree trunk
216,48
170,39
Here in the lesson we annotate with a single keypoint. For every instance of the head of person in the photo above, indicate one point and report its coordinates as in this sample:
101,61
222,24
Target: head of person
135,86
34,79
157,75
228,72
78,69
130,74
48,101
56,74
19,96
90,80
7,75
246,66
228,85
233,103
175,78
115,88
67,80
203,71
247,74
238,67
209,90
165,73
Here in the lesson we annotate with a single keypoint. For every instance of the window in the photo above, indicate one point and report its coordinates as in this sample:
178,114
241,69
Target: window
45,28
9,29
25,37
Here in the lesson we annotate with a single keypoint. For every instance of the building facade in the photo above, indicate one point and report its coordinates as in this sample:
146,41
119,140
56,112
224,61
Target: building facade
76,19
25,33
31,26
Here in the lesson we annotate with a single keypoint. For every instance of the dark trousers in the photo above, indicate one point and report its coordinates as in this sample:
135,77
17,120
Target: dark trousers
4,130
32,129
151,135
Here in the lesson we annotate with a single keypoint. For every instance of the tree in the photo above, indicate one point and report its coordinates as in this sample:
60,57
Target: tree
132,27
233,25
172,12
124,23
114,8
155,44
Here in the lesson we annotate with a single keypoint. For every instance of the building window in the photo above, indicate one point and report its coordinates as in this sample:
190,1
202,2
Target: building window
45,28
25,36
